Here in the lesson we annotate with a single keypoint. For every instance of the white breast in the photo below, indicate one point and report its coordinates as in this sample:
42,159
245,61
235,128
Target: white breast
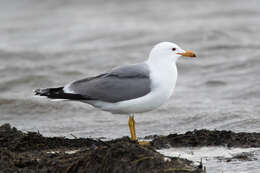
162,85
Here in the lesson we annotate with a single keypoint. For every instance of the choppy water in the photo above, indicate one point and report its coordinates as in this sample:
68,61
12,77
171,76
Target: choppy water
49,43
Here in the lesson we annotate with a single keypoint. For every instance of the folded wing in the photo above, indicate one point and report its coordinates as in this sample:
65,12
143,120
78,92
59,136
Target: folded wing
124,83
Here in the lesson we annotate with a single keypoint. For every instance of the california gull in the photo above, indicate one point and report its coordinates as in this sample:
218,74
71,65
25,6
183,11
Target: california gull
128,89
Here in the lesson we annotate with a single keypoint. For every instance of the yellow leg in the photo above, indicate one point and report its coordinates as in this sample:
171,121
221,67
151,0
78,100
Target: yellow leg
131,123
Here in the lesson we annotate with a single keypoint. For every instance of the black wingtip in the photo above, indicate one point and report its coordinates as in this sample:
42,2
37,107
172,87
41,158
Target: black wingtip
42,92
57,93
37,91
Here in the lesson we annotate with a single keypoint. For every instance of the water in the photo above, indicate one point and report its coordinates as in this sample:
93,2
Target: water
219,159
49,43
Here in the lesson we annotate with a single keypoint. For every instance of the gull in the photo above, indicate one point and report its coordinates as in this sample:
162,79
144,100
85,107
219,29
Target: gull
128,89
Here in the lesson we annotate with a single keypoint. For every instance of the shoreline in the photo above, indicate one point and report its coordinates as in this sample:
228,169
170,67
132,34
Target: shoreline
32,152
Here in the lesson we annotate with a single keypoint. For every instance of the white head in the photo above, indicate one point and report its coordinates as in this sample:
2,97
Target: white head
167,53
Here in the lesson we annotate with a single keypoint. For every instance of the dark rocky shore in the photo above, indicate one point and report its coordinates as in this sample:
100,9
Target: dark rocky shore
199,138
31,152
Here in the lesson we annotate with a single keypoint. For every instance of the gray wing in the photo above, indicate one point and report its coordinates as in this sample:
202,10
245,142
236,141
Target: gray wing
123,83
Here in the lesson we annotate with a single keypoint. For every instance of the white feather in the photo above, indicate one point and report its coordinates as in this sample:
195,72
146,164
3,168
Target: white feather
163,76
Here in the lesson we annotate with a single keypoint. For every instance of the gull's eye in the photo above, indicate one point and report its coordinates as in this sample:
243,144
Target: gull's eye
173,49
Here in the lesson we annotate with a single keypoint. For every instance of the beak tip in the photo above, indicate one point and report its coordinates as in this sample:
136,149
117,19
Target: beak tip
188,54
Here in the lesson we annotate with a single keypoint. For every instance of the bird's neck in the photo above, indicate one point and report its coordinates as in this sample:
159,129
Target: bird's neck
164,77
161,69
162,63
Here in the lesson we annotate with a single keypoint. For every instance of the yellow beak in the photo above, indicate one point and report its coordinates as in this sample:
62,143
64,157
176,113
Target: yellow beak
188,54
